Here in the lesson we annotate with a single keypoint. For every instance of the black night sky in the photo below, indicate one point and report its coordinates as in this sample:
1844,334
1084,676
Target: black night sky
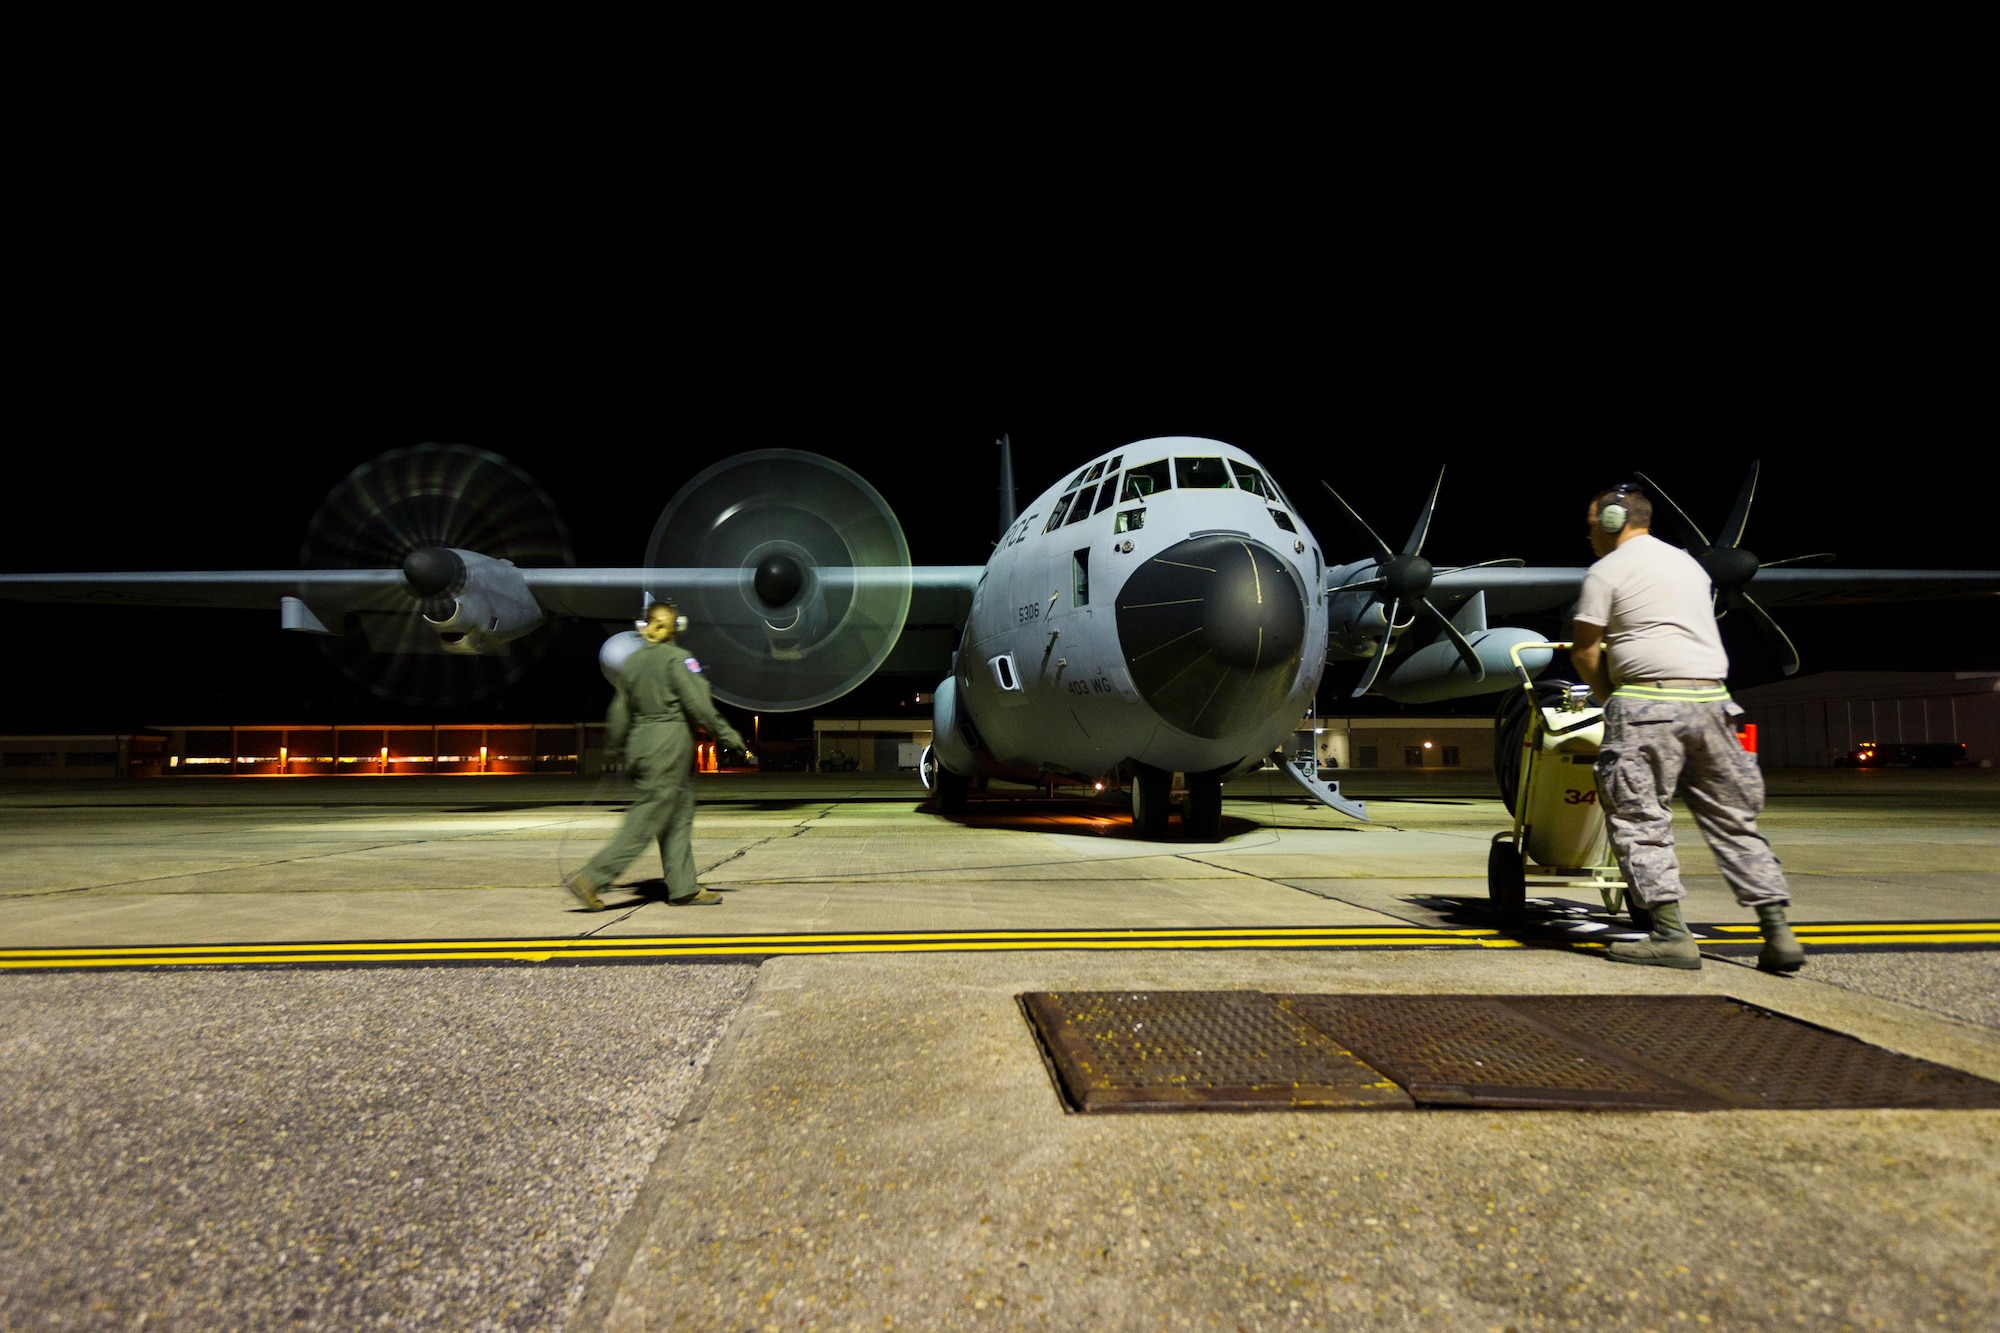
1542,293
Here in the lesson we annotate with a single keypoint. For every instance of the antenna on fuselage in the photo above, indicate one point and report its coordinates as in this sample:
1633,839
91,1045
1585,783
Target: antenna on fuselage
1007,514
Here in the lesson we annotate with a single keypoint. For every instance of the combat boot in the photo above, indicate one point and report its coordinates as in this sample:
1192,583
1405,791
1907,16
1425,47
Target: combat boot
706,898
1670,944
1782,952
581,889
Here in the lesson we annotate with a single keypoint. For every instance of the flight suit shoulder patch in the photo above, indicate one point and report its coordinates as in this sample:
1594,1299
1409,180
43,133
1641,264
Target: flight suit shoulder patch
694,666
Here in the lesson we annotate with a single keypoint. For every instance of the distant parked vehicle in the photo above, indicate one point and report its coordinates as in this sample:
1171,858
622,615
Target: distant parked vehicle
838,760
784,757
1933,754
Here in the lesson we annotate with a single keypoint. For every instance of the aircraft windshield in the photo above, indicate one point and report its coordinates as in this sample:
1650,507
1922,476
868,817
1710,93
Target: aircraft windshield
1081,509
1145,479
1203,473
1251,480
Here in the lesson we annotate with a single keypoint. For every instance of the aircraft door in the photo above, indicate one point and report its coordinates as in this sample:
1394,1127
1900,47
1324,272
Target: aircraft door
1075,640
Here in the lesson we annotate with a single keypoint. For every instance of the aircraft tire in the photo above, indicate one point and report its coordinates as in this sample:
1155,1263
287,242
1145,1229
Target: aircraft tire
1506,882
1203,820
1152,801
951,789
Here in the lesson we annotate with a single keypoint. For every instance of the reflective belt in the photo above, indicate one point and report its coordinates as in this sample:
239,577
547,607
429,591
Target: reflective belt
1639,689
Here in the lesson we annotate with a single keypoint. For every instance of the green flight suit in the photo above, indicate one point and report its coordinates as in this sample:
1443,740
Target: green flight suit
661,698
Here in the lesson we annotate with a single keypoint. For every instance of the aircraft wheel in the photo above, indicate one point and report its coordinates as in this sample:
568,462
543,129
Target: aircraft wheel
1203,821
1506,881
951,789
1152,792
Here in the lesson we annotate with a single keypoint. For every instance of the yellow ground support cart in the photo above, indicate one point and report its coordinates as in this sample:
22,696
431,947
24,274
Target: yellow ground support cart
1545,745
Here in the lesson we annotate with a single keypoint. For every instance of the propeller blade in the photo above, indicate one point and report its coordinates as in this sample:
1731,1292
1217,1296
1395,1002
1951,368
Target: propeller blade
1732,530
1352,587
1770,626
1360,522
1374,667
1653,489
1465,653
1506,562
1415,545
1817,558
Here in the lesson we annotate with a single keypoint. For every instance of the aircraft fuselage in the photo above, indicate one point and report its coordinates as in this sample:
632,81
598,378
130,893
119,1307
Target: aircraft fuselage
1159,605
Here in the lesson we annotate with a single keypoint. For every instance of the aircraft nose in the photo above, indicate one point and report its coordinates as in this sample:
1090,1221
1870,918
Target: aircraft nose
1211,630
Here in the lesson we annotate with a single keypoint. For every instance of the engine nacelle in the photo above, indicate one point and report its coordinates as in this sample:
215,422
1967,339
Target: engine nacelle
1437,671
954,740
491,606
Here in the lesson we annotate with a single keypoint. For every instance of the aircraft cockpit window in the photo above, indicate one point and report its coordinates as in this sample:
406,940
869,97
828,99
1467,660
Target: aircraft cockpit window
1201,473
1145,479
1077,480
1130,520
1251,480
1056,515
1095,472
1081,509
1106,493
1112,466
1283,520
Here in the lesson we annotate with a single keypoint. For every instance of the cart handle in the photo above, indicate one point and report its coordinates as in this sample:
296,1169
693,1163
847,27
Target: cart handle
1527,681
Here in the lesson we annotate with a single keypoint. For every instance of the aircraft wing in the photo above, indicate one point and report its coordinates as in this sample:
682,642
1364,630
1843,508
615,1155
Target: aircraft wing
939,594
239,589
1548,587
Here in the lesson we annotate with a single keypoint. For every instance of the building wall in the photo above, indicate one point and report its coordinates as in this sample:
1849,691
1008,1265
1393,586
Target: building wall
1811,722
1344,742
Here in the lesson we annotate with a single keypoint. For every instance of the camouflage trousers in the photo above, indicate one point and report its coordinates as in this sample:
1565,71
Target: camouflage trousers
1654,747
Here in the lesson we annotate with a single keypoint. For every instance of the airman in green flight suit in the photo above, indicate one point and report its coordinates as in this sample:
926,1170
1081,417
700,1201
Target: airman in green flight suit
660,700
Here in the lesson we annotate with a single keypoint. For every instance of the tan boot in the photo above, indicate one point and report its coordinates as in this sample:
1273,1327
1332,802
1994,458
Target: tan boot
1670,944
584,893
1782,953
705,898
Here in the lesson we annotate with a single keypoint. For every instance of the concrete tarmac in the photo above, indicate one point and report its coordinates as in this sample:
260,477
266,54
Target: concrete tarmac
840,1139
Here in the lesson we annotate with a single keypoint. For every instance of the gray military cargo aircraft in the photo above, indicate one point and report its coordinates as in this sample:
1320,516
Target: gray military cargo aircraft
1162,610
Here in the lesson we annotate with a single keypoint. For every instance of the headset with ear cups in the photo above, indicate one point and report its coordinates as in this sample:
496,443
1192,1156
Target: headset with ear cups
1611,517
652,633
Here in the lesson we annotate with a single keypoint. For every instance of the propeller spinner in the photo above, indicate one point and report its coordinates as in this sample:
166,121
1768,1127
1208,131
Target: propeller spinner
1403,578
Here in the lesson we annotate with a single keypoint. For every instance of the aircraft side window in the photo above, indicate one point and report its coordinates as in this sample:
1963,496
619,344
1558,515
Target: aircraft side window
1079,571
1283,520
1129,520
1106,493
1096,471
1056,515
1081,509
1278,495
1250,479
1145,479
1201,473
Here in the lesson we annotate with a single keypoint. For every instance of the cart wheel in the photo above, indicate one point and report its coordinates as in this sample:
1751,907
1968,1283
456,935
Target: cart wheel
1506,882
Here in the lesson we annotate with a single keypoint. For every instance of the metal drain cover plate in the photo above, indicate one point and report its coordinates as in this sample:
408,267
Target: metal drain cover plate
1245,1050
1197,1051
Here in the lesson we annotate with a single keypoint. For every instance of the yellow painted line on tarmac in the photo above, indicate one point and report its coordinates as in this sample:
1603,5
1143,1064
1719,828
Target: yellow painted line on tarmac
1991,937
689,946
1878,927
624,947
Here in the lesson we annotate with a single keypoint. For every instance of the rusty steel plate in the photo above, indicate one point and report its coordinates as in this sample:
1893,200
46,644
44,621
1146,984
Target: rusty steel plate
1757,1057
1197,1051
1245,1050
1479,1050
1687,1052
